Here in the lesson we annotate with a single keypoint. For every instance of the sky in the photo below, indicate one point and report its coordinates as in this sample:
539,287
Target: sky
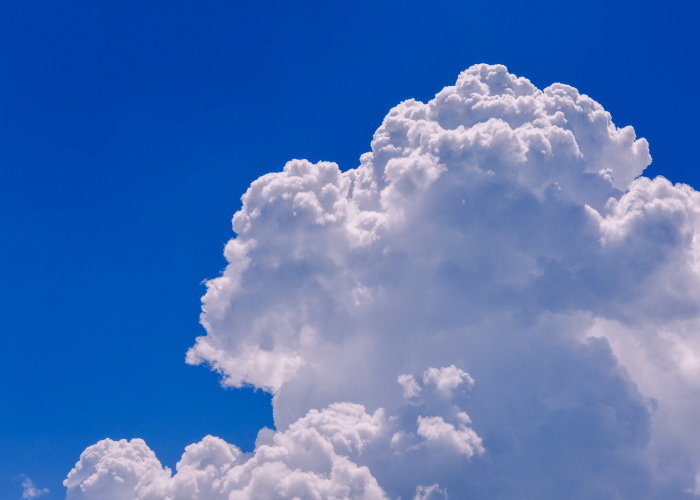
128,134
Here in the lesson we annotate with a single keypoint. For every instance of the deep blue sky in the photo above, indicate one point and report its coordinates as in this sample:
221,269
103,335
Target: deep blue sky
129,131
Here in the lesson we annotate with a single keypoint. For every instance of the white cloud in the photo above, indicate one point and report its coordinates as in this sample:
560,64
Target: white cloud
447,379
30,490
430,493
463,439
496,230
411,388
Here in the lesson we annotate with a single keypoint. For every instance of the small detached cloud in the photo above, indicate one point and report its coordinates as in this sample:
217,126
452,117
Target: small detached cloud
410,386
432,492
463,439
30,490
447,379
499,254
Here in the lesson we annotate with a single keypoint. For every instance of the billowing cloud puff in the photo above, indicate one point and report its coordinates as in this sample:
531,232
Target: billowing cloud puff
299,463
493,305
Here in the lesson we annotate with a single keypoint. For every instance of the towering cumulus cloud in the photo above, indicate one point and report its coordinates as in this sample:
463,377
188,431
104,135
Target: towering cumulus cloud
493,305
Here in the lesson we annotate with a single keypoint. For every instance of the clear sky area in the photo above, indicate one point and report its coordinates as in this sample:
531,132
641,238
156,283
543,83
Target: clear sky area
129,132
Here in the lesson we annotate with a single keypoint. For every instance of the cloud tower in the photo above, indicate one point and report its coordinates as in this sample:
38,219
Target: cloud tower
494,304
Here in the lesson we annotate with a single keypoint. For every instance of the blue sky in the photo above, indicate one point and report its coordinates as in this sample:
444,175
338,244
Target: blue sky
129,131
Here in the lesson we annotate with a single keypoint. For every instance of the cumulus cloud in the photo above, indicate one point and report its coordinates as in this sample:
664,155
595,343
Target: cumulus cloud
497,253
463,439
30,490
309,460
446,379
410,386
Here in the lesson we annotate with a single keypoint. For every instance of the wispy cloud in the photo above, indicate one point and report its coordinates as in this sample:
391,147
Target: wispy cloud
30,490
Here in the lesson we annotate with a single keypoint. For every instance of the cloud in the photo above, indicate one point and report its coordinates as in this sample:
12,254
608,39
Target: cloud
430,493
497,245
30,490
462,439
410,386
309,460
447,379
